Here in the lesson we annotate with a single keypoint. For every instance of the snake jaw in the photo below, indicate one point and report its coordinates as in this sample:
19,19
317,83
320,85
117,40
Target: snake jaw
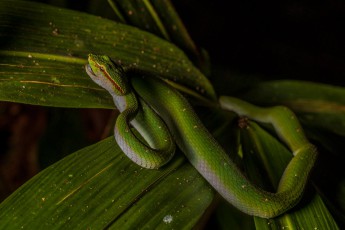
89,71
111,83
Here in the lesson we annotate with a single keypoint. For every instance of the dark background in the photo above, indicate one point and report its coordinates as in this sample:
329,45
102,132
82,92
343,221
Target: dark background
276,39
271,39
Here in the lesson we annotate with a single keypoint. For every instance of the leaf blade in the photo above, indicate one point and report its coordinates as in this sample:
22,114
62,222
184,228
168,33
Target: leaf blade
40,37
97,186
317,105
311,212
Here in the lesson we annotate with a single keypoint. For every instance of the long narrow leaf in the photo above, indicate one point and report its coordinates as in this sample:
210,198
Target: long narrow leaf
260,146
99,187
317,105
43,51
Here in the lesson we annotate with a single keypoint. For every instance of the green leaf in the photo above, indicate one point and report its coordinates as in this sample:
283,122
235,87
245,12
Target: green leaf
160,18
317,105
141,14
265,155
99,187
43,56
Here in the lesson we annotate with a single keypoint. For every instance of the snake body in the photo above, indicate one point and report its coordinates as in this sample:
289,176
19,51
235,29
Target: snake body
203,151
157,146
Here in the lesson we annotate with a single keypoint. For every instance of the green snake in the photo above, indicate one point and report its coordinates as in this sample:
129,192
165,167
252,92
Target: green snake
176,116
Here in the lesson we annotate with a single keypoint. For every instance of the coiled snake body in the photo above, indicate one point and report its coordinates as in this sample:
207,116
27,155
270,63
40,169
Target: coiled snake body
201,149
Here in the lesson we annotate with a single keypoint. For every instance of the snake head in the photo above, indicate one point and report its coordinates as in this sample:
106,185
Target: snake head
107,74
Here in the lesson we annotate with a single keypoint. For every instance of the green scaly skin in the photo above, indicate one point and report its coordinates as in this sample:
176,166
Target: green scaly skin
156,146
208,157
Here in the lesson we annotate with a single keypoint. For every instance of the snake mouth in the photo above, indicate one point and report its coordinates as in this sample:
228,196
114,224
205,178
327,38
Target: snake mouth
95,78
89,70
